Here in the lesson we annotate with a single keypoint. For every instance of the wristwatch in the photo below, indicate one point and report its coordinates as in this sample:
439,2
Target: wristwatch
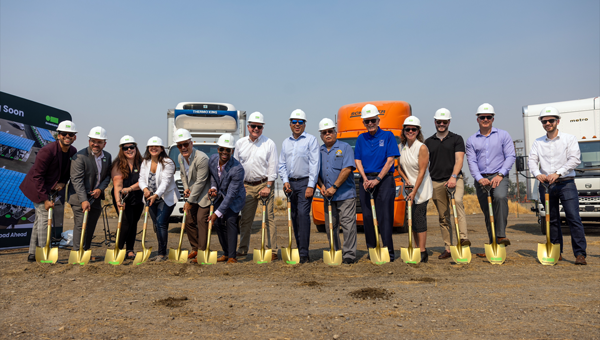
335,187
454,176
378,178
501,175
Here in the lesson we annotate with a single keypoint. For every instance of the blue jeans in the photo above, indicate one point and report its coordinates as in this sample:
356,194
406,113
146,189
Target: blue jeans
566,192
160,213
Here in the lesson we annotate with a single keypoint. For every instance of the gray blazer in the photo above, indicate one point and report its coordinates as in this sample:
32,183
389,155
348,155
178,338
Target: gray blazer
198,178
83,175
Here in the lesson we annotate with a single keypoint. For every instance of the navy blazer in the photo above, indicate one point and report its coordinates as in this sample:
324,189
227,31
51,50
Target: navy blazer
230,186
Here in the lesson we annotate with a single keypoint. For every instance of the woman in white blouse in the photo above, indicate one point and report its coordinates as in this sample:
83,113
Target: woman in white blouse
414,160
160,190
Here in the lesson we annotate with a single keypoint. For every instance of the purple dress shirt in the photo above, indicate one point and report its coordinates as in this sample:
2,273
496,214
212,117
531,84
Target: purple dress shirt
490,154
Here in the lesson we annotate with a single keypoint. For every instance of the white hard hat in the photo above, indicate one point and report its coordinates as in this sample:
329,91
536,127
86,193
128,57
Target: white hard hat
485,108
226,140
155,141
97,132
67,126
127,139
298,114
369,111
412,120
256,117
182,135
325,124
442,114
549,111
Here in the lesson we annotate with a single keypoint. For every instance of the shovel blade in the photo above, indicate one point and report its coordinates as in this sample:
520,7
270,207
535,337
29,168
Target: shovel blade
461,255
114,256
548,258
74,257
290,256
379,257
41,256
178,256
332,258
495,257
410,255
142,256
207,257
259,257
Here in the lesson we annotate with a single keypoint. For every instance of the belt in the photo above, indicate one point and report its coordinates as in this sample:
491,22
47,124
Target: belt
375,174
260,181
558,180
297,179
488,175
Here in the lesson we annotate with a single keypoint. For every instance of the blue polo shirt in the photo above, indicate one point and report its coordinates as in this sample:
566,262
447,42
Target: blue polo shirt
340,156
373,151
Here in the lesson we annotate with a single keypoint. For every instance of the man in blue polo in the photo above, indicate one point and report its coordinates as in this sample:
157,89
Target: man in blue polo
336,183
374,155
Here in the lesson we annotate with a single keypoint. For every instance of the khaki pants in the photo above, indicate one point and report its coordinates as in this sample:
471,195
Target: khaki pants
248,213
442,202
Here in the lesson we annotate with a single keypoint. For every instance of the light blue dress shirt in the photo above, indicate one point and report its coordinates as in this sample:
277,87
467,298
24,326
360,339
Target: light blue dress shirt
490,154
299,158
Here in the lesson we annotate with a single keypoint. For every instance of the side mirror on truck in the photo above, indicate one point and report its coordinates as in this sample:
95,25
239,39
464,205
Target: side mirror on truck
520,163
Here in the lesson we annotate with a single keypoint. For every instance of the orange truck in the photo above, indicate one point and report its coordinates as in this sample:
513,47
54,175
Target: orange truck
349,126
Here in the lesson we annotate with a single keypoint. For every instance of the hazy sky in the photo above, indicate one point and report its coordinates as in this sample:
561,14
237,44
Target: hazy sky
122,64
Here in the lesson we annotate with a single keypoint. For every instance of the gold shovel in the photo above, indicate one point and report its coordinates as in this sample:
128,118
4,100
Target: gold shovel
289,255
495,253
178,255
263,255
142,256
547,253
207,256
80,256
117,256
460,253
410,255
331,257
378,255
47,254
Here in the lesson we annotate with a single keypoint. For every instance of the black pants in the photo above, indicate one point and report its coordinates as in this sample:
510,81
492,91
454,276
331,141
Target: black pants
384,195
131,217
301,215
227,230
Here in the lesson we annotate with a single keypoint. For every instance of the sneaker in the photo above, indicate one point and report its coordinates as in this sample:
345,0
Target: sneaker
161,258
31,258
304,259
465,242
348,261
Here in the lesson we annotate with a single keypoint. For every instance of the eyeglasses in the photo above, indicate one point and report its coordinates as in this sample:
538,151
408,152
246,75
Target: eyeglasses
442,122
225,150
411,129
183,145
96,141
486,117
127,148
370,121
326,132
256,127
546,121
65,134
296,121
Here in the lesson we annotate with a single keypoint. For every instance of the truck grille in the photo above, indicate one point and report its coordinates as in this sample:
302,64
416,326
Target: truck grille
180,188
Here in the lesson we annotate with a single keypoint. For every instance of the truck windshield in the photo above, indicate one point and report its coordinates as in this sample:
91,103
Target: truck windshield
352,141
590,155
209,150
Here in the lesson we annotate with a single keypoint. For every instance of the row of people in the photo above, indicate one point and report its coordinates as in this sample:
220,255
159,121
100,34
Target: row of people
243,172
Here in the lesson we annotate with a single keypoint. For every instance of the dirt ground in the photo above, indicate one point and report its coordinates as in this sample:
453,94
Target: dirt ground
439,299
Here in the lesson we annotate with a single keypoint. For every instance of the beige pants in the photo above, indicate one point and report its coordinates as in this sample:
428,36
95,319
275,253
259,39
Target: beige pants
442,202
248,213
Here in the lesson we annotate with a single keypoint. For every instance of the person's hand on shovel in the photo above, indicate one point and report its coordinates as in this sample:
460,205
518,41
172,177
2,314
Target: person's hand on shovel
451,183
58,187
85,206
152,199
96,193
330,192
48,204
265,192
287,187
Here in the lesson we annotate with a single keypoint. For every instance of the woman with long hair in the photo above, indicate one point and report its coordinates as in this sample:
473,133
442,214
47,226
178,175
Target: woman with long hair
125,173
414,162
160,191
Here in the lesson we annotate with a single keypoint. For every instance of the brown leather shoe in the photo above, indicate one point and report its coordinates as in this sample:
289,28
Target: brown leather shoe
194,261
503,240
223,258
580,260
274,257
480,254
232,260
560,258
444,255
465,242
193,255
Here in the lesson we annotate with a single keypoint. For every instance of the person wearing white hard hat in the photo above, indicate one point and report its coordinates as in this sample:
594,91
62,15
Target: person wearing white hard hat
193,171
414,163
227,188
491,155
374,155
446,155
125,173
49,174
336,183
157,181
299,171
90,175
552,160
258,156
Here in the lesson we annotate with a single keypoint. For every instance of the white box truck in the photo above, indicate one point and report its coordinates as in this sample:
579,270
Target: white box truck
206,122
580,118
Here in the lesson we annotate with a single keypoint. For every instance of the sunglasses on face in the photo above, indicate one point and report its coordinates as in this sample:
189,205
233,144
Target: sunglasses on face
441,122
486,117
370,121
65,134
127,148
256,127
326,132
183,145
296,121
411,130
546,121
224,150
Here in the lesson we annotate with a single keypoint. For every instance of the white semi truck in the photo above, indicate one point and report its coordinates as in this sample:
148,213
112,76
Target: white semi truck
206,122
580,118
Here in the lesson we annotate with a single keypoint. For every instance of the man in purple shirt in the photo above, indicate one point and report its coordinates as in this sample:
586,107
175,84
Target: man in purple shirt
491,155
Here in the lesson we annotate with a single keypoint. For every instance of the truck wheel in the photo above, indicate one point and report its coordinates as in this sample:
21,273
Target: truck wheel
321,228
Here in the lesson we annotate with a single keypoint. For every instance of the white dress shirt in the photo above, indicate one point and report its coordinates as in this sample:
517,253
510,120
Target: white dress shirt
258,158
560,155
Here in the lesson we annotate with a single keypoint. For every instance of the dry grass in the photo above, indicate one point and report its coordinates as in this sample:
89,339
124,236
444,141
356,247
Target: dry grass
472,207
